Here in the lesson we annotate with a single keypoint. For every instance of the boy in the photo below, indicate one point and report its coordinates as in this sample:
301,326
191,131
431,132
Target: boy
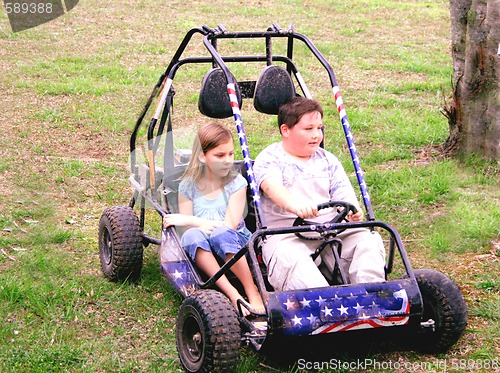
295,175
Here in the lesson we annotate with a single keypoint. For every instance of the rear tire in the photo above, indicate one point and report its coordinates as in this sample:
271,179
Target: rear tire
442,302
208,333
120,244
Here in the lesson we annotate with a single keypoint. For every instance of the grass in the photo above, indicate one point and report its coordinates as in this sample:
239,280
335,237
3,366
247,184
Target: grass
72,91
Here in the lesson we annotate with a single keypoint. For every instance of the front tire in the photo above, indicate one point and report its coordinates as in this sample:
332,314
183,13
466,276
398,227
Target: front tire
120,244
208,333
442,302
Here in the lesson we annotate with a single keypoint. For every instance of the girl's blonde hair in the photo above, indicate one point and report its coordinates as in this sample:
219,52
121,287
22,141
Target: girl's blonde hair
209,136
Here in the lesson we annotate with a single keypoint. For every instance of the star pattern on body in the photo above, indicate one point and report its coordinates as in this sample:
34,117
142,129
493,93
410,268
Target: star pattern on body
327,311
330,312
312,319
358,308
289,304
297,321
305,303
320,300
343,310
177,275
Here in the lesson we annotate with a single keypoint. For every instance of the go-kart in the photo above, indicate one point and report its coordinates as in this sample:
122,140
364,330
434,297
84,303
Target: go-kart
424,305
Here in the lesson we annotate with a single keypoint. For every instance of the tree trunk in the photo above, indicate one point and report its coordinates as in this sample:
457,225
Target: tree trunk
474,114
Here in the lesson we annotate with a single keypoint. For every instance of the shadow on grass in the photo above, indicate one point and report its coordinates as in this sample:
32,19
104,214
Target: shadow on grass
153,279
347,351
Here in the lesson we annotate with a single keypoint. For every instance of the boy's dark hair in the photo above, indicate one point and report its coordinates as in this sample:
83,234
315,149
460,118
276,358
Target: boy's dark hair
292,110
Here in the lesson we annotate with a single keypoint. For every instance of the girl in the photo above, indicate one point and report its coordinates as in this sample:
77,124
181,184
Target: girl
212,200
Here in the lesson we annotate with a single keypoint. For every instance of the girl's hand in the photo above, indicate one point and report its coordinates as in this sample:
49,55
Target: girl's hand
177,219
181,220
208,226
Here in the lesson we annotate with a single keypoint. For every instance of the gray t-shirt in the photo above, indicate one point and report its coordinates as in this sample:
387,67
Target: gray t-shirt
320,179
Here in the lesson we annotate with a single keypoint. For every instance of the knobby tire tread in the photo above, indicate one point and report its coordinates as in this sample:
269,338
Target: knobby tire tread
450,309
222,327
127,248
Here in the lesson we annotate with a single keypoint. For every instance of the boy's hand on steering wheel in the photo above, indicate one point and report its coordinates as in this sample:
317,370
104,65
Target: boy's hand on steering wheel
304,210
358,216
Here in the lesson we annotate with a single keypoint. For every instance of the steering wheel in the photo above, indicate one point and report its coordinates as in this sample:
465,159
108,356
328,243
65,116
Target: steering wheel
343,208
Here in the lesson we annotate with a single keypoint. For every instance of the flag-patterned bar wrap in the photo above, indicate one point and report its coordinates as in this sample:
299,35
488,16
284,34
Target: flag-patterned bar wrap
244,147
346,126
345,308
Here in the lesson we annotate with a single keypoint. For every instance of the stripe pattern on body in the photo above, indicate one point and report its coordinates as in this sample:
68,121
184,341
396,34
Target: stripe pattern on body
244,146
352,148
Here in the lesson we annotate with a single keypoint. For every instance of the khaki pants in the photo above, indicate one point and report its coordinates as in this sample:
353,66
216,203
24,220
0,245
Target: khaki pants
290,266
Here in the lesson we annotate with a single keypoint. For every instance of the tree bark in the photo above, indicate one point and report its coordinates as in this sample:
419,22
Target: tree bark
474,114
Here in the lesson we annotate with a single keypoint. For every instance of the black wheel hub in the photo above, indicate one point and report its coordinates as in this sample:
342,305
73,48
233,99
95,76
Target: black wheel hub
193,340
107,245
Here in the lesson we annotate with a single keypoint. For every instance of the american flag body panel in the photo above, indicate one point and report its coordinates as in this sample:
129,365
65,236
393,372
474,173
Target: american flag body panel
344,308
175,264
181,276
313,311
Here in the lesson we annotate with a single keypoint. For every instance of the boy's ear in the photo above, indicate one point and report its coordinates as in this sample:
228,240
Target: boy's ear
284,130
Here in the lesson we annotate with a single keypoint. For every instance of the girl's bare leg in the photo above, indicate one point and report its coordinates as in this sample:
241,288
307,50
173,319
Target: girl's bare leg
208,264
242,271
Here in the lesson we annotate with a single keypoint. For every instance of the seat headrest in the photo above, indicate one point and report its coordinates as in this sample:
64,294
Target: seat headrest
273,88
214,100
